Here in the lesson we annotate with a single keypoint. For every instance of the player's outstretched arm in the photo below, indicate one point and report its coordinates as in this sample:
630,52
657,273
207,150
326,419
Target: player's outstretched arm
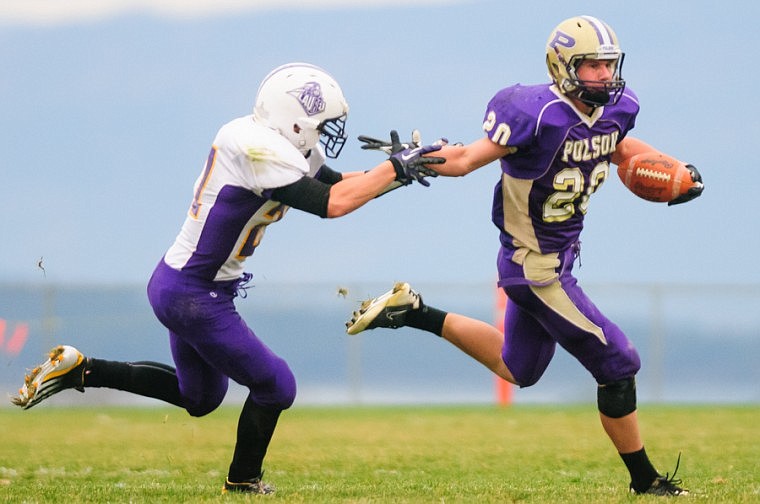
463,159
354,191
460,159
335,195
406,164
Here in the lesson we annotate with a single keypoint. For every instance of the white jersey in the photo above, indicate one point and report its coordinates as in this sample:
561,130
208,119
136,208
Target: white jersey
231,207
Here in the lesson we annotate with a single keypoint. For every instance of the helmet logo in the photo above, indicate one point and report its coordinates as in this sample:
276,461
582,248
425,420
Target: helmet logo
561,39
310,98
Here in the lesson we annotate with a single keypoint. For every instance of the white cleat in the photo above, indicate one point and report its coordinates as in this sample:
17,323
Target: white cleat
388,310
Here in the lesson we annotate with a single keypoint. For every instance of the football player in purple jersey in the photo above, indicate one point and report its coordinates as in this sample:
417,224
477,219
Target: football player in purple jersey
554,143
259,166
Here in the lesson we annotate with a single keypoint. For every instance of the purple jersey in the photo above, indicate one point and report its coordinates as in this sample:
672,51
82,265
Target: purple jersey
559,158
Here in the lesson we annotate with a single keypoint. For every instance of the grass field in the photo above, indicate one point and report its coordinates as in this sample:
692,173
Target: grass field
373,454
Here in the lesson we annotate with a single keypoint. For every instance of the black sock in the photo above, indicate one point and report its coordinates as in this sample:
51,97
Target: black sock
149,379
255,429
642,471
426,318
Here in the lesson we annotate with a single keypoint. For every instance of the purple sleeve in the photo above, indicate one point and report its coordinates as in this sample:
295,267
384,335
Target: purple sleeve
507,122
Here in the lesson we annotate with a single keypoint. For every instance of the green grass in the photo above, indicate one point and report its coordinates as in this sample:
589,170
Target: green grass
373,454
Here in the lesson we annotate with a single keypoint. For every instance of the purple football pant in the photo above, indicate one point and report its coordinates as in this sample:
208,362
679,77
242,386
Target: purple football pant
211,343
545,307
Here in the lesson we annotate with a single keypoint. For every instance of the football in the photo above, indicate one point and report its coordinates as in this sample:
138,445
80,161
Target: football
655,177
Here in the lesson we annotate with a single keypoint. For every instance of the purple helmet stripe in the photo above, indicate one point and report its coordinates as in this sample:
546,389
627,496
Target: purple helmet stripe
602,32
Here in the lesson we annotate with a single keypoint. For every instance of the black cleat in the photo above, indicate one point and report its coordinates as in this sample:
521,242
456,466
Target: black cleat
253,486
667,485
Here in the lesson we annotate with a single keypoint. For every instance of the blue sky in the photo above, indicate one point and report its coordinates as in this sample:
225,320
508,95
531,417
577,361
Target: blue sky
108,116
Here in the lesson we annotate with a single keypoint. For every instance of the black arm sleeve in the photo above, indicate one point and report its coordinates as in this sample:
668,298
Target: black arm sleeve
328,175
307,194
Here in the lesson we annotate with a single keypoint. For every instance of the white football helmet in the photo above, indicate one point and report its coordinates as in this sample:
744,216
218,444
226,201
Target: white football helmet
579,38
305,105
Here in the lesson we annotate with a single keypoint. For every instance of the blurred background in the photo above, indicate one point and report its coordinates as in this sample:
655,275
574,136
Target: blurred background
109,112
691,353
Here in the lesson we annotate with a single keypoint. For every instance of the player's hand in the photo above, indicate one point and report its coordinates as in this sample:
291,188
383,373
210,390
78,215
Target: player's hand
692,193
410,163
371,143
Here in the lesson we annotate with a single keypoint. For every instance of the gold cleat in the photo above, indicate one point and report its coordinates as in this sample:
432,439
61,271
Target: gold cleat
64,369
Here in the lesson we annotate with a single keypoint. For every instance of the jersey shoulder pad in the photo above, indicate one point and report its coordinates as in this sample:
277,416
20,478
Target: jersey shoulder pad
263,157
624,112
513,113
629,98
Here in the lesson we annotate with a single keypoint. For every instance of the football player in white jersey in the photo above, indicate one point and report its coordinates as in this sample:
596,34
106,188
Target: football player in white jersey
258,167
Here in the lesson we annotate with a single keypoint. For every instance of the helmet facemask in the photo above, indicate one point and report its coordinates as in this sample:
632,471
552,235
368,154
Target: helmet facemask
333,135
590,92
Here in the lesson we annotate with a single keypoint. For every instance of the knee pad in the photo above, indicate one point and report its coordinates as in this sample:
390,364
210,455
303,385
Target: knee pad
617,399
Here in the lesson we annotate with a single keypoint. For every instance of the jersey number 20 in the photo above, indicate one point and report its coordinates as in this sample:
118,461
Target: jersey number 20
571,195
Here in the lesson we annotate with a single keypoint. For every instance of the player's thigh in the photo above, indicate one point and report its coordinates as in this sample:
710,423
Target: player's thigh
201,385
579,326
231,347
528,347
211,342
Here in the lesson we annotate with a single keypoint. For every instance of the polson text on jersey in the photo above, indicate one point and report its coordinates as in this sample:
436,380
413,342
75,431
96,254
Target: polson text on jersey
586,149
